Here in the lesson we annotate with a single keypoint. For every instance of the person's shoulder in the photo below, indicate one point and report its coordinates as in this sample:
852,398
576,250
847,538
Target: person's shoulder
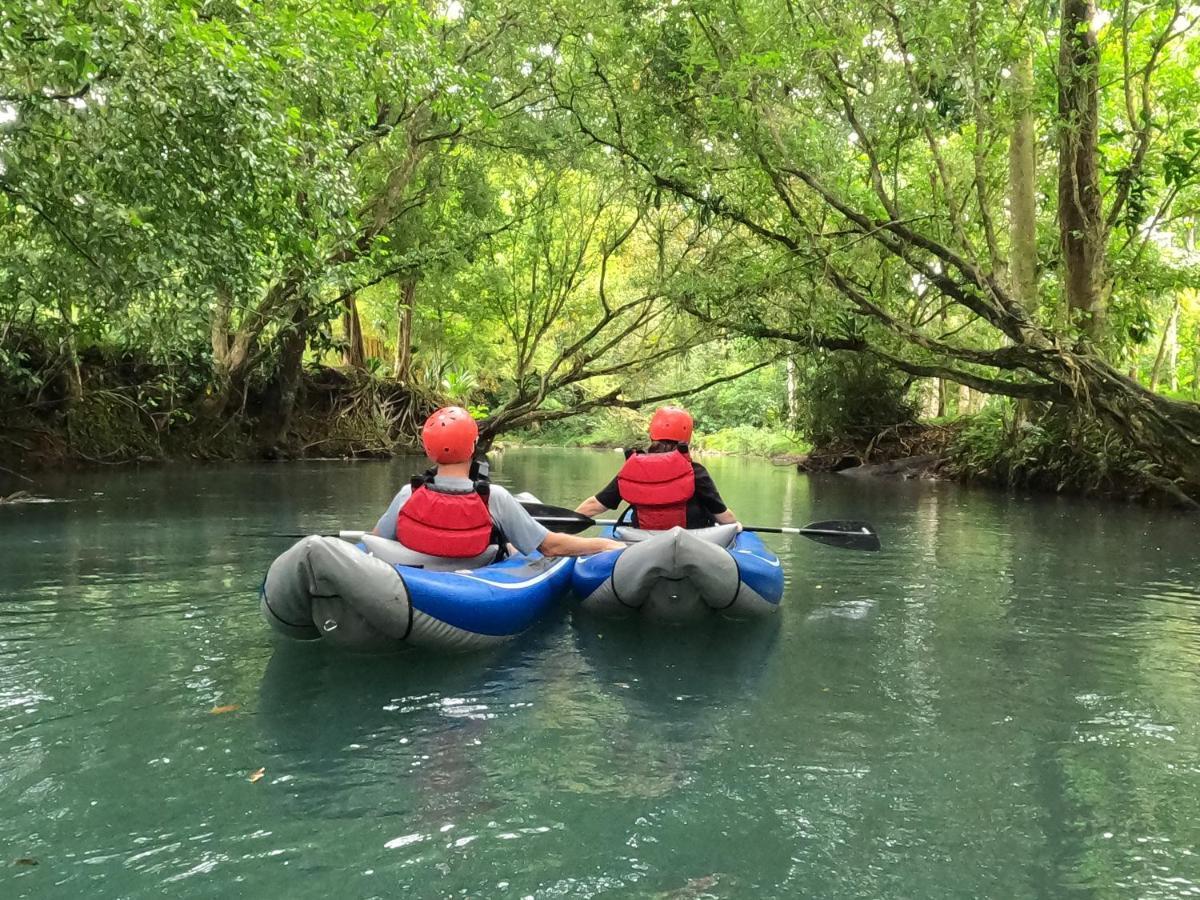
698,468
502,496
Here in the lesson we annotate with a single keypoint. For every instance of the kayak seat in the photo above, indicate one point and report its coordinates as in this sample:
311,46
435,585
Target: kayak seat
721,535
397,554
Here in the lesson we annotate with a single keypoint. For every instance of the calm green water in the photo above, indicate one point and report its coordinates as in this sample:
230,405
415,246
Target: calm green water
1004,703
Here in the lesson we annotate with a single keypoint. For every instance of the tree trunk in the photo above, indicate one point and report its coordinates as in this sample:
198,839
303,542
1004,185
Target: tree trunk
286,386
354,355
222,387
1196,366
1022,202
1081,226
1173,349
931,399
1168,431
233,349
71,351
404,326
1022,178
970,401
793,402
1167,347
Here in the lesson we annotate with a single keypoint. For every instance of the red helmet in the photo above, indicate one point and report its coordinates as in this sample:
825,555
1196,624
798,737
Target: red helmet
449,435
671,423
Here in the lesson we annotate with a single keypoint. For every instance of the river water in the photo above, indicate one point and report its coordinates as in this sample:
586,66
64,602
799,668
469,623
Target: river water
1005,702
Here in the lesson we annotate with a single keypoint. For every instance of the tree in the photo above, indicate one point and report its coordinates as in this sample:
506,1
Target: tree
580,300
851,149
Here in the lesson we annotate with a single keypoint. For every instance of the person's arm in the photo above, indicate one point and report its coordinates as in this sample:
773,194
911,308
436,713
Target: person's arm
556,544
591,507
527,534
609,497
710,497
386,526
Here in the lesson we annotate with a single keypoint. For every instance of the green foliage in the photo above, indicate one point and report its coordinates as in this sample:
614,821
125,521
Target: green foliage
851,398
757,401
1052,452
601,428
748,440
459,385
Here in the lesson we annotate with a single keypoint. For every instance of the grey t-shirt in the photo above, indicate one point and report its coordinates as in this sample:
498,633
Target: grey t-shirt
522,531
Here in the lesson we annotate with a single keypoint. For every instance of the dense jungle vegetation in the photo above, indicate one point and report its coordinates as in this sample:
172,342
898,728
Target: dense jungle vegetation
232,228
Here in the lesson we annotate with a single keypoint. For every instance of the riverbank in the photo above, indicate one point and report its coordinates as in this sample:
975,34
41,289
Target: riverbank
338,415
329,414
1050,455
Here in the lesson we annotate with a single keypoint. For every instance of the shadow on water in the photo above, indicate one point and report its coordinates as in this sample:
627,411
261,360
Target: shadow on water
313,695
646,663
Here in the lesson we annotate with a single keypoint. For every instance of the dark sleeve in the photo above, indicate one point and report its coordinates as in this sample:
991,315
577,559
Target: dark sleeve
610,495
706,491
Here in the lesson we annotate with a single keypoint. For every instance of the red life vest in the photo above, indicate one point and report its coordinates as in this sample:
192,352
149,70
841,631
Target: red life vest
440,522
658,486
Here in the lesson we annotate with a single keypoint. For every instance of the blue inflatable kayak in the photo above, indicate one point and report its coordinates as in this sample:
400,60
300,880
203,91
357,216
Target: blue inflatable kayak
682,575
378,594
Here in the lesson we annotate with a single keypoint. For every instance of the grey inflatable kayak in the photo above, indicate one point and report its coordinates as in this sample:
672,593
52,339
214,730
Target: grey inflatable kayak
379,595
682,575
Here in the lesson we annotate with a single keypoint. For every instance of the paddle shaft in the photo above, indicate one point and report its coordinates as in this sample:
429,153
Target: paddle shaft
352,536
758,529
847,535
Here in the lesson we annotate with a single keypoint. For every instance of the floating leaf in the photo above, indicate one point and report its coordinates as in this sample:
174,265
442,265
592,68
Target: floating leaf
218,710
257,775
25,861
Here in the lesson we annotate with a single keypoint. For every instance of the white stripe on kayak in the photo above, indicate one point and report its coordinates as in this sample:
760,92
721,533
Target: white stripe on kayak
518,585
763,558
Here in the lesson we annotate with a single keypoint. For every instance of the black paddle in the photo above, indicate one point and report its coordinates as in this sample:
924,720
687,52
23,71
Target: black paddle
847,535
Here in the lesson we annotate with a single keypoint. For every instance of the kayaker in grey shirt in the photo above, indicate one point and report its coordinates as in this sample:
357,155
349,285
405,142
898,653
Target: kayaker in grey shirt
522,530
449,437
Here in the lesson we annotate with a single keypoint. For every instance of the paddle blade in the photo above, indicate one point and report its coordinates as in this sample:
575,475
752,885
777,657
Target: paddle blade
847,535
558,518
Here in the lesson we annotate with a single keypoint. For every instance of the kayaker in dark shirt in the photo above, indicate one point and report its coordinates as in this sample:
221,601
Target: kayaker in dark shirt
663,485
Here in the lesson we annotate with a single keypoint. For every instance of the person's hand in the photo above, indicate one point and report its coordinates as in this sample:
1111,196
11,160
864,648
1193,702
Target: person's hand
612,545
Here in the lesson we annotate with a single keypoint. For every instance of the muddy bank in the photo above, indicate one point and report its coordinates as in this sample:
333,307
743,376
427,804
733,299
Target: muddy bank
333,414
1030,456
902,451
